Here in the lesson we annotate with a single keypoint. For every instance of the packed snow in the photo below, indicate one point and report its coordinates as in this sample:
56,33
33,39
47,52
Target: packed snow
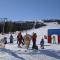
50,51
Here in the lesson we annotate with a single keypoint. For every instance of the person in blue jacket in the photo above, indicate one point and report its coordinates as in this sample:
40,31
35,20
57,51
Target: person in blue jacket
11,38
42,43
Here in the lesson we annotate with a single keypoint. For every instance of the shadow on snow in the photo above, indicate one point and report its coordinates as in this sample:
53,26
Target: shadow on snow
11,53
50,53
47,52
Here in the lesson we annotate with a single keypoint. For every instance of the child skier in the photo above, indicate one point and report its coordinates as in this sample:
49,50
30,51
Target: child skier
54,40
42,43
5,40
11,38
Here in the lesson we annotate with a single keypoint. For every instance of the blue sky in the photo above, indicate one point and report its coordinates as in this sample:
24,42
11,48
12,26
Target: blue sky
30,9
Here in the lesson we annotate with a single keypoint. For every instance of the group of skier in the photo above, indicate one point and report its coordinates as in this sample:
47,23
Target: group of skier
26,40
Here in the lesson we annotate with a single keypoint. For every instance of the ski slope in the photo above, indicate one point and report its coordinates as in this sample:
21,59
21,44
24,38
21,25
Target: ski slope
12,52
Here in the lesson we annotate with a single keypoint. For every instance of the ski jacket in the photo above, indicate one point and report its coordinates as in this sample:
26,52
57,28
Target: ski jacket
19,38
34,37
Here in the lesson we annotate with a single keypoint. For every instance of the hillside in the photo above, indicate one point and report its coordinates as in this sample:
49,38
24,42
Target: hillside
51,51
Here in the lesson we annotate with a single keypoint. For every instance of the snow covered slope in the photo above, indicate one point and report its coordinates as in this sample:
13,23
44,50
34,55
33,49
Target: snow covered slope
12,52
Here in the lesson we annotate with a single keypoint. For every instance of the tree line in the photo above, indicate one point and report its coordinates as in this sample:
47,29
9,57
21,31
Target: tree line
19,26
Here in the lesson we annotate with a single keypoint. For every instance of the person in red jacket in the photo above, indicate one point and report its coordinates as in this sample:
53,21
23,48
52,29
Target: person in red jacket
34,41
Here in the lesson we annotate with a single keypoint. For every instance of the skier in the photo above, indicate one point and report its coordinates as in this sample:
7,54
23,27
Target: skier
27,40
34,41
19,39
11,38
2,45
5,40
42,43
54,41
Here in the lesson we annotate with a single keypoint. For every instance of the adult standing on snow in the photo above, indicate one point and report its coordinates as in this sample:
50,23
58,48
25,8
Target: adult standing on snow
27,40
34,41
19,39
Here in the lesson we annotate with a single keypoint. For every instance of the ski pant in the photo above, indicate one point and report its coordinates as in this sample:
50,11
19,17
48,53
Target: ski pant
27,43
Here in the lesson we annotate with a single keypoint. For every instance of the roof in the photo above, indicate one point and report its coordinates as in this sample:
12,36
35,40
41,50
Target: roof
53,31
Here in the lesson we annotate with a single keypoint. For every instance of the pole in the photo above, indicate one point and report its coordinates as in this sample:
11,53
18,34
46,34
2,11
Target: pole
4,19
